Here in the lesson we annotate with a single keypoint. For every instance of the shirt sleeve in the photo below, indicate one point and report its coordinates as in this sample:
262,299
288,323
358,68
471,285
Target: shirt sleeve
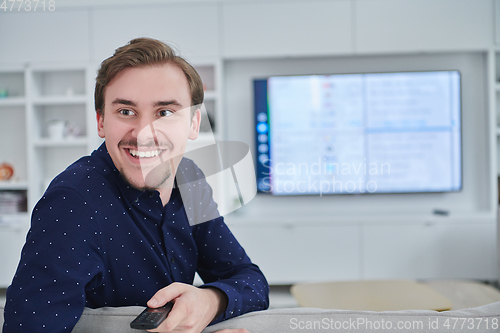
60,262
223,264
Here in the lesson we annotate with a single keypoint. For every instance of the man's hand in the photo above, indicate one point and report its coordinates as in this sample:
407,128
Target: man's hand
194,308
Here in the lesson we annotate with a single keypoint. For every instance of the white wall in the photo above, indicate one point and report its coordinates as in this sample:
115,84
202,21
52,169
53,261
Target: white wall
336,237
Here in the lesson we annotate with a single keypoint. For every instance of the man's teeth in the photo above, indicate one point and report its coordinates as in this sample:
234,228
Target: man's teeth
142,154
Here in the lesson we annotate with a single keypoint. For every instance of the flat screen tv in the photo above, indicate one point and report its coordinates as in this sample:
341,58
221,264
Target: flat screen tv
358,133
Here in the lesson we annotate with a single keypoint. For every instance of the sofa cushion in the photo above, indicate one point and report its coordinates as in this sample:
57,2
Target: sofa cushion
484,319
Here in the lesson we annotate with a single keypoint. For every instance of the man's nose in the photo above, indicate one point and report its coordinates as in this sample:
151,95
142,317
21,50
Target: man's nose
144,130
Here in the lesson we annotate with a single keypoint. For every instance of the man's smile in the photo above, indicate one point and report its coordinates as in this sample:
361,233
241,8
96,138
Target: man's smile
145,153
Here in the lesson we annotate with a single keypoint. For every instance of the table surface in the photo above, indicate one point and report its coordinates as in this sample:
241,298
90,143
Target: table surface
466,294
386,295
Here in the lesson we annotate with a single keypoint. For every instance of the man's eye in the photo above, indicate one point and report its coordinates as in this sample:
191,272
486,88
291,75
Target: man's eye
126,112
165,113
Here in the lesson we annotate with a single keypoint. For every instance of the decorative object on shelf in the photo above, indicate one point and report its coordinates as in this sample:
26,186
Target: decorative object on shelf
12,202
4,93
6,171
56,129
72,130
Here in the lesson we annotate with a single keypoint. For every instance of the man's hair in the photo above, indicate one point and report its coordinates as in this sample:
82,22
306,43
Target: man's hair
141,52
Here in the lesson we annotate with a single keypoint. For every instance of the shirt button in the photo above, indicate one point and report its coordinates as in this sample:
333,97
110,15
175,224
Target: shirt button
172,260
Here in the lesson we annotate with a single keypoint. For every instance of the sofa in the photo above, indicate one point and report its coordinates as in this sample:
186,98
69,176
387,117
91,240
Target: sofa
483,319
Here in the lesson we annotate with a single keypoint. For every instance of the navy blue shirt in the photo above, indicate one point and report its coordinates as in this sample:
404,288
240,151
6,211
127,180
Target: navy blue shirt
94,241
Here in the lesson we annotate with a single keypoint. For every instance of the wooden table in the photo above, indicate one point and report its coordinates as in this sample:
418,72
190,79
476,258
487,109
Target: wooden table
384,295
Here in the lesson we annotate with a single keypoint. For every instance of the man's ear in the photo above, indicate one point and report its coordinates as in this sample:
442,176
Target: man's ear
100,123
195,125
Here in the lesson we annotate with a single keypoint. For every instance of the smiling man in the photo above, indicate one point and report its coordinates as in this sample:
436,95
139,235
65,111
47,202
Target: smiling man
148,123
112,229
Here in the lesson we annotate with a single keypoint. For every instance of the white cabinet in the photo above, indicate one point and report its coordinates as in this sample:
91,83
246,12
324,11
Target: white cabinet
12,237
192,30
423,25
286,28
430,251
289,254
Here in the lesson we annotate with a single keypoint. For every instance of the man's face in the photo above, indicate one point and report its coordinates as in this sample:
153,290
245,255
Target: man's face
147,122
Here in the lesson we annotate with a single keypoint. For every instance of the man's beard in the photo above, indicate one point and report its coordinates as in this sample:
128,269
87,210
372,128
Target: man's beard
154,179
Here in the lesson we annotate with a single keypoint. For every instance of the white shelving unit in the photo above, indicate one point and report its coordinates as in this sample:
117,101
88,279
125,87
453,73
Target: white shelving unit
38,94
212,124
13,226
55,94
13,115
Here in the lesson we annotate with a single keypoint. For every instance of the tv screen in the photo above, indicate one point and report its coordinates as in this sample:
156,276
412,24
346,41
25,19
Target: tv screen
358,133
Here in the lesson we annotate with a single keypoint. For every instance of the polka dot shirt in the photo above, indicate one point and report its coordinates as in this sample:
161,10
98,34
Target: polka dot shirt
94,241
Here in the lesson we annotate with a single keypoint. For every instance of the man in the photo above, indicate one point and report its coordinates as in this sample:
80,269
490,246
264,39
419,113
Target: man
112,229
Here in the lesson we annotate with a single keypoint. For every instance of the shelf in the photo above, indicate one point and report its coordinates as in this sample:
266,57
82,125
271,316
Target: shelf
12,101
58,83
13,185
12,86
69,142
60,100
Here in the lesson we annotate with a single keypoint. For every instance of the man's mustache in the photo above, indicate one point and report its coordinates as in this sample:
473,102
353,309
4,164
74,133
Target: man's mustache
134,143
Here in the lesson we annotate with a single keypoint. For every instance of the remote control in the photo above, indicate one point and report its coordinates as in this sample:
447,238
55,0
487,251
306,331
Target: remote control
151,318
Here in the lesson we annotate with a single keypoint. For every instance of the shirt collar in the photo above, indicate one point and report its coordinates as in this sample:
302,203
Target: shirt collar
132,194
